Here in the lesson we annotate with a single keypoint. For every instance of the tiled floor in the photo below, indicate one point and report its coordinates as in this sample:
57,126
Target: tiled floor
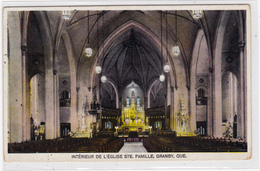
133,147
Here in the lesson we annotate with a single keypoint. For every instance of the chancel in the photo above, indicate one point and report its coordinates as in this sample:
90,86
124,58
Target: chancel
114,80
133,114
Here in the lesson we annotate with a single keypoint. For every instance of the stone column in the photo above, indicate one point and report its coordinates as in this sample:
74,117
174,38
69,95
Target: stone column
26,84
176,107
25,112
172,109
192,107
56,103
210,105
15,89
73,106
78,116
245,91
241,114
192,102
217,100
50,103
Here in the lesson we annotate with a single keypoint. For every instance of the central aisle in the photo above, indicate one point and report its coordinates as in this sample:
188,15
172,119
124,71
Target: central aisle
133,147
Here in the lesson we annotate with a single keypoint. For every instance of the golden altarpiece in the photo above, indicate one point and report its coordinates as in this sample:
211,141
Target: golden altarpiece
133,115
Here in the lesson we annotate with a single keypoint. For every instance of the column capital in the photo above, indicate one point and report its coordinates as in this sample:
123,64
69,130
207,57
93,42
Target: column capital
241,45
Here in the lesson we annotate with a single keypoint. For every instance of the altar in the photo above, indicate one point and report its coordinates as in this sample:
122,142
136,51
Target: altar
183,121
133,115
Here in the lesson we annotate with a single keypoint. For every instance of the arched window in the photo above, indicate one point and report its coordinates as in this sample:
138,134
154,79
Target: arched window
65,95
138,101
108,125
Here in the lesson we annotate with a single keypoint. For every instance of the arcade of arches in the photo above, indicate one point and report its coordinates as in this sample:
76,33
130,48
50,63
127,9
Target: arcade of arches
120,84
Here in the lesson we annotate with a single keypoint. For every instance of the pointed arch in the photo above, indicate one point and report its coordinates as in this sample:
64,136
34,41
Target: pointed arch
122,30
217,56
193,88
72,65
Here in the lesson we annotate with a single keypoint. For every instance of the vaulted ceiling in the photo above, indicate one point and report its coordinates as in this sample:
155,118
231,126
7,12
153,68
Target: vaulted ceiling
132,55
135,54
133,58
93,27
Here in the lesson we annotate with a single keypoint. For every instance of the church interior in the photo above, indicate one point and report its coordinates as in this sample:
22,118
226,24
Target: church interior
93,81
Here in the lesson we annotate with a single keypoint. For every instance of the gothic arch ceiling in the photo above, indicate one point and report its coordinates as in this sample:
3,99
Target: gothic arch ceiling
132,59
103,23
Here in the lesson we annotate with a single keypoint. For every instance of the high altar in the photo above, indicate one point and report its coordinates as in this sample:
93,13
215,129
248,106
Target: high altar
133,115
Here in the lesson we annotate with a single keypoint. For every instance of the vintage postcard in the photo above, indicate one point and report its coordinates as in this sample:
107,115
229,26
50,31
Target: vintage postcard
127,83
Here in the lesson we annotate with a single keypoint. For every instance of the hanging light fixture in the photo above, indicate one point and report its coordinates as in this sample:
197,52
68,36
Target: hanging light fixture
176,49
88,50
103,79
162,78
98,69
66,14
166,67
197,14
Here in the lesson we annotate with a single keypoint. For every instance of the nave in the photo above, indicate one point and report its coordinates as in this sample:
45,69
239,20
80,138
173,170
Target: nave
128,72
133,147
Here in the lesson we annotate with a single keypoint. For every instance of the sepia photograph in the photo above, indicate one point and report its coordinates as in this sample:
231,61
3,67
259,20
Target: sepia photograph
127,83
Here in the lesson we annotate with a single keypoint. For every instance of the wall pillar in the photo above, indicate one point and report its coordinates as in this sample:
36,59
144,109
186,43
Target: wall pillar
217,100
192,102
50,103
15,69
217,75
56,103
176,107
73,105
210,106
241,114
73,79
245,90
77,111
49,74
25,111
172,109
25,84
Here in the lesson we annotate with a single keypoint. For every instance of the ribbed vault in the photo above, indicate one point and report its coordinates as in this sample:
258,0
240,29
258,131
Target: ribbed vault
132,58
